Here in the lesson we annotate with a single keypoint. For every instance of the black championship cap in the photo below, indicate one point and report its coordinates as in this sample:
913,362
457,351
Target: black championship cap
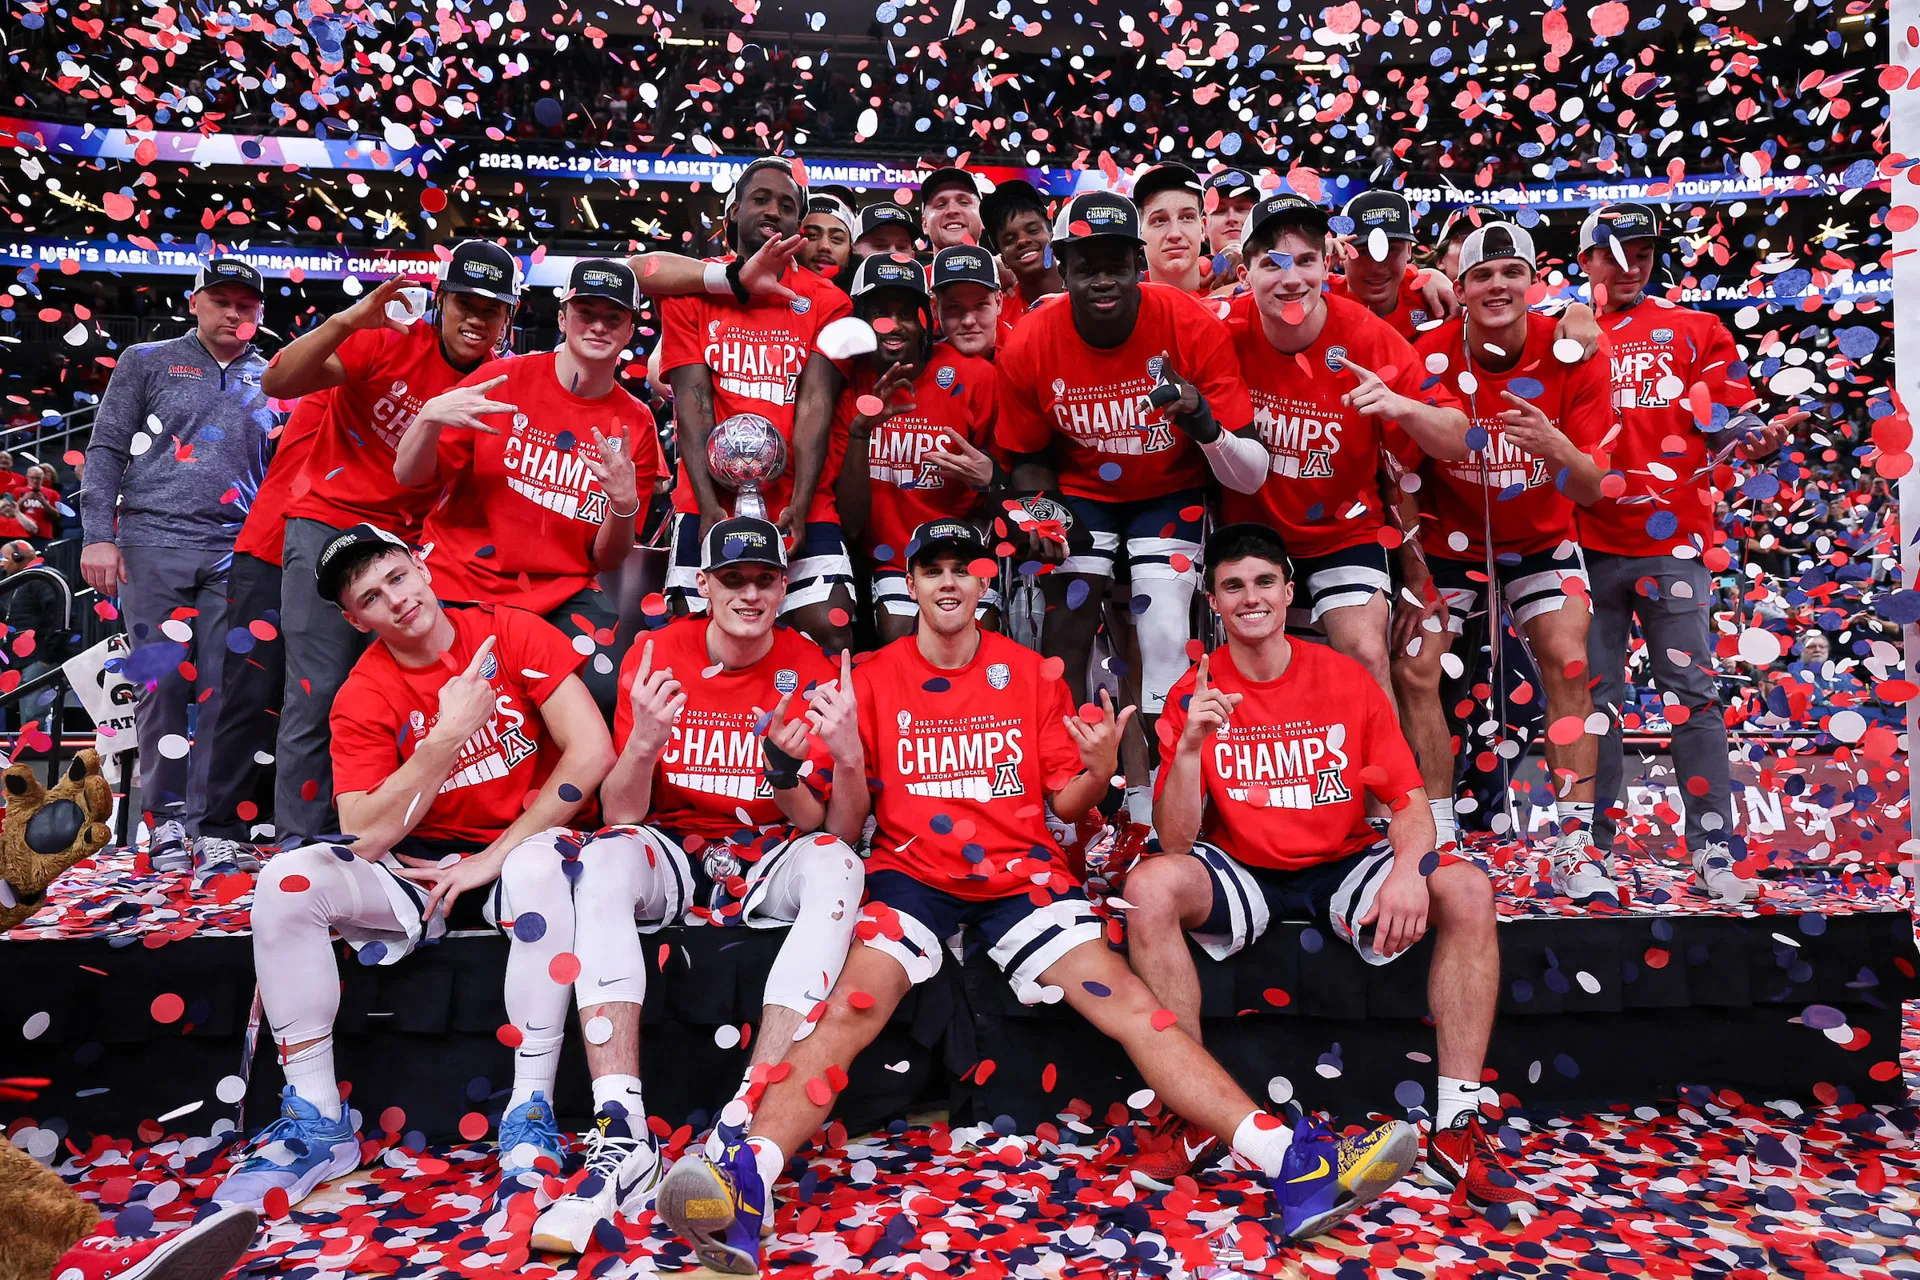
1285,205
940,179
942,537
743,540
1622,222
889,271
1165,177
964,264
1093,215
484,268
887,214
1233,182
835,208
1386,211
228,271
603,278
349,549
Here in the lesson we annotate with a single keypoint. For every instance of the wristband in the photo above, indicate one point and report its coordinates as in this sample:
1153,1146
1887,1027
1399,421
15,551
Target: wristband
783,770
624,515
1200,424
715,279
740,294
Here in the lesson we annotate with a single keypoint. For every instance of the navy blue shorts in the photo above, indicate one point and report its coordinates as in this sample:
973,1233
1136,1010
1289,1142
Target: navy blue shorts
1023,939
1151,531
1332,894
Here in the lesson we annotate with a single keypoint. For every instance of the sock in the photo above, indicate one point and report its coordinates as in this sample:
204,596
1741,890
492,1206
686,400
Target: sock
1457,1098
770,1160
1263,1148
310,1072
624,1090
1574,812
1446,825
535,1064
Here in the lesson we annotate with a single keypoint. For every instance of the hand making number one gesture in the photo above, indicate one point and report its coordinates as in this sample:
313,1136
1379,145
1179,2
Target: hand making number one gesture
1207,709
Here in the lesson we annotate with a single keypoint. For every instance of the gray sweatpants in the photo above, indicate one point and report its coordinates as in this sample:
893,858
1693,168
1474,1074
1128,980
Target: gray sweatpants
1674,625
161,580
321,648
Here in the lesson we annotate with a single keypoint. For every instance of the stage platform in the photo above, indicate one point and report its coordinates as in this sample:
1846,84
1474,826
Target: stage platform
132,995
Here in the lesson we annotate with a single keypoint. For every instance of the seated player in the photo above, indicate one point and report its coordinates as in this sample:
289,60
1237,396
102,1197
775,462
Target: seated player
762,356
459,736
828,228
967,736
967,303
715,819
544,458
1539,423
915,419
1265,750
1316,368
1014,221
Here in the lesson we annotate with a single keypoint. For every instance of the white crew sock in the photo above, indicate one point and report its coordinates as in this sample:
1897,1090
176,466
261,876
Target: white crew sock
1573,812
535,1064
310,1072
624,1090
1263,1148
1446,826
770,1160
1457,1098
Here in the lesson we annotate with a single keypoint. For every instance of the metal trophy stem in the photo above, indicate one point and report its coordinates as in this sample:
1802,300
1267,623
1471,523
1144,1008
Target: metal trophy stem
743,453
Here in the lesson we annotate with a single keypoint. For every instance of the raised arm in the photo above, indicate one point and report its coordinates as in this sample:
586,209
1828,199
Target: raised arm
311,362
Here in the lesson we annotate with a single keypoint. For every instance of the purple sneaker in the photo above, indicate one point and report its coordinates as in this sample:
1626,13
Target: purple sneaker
717,1207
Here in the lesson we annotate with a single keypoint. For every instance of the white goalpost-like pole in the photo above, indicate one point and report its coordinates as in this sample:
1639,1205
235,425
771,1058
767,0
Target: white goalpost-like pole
1904,140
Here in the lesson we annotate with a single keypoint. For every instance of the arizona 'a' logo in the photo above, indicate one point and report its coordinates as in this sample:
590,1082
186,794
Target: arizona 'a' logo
1329,788
515,746
1318,466
1006,779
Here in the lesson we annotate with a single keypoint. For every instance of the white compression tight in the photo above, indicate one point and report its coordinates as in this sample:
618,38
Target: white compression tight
1162,628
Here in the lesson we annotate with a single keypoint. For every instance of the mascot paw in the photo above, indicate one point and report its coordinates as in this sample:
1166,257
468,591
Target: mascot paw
46,831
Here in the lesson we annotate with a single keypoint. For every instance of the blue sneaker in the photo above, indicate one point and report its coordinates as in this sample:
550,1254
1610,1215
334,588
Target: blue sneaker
1324,1178
717,1206
296,1153
528,1134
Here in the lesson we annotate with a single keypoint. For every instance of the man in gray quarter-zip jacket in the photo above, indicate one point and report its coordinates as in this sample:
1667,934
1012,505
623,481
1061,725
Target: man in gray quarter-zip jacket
179,447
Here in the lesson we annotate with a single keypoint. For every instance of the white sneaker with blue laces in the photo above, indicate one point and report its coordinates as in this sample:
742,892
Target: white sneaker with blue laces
295,1154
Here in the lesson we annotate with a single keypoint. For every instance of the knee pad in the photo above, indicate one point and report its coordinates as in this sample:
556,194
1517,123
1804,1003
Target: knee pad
1163,628
315,873
829,871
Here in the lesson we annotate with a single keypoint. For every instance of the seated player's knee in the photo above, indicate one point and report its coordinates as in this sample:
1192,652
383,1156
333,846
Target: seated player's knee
1369,649
291,887
1153,891
535,866
1462,895
829,866
1416,676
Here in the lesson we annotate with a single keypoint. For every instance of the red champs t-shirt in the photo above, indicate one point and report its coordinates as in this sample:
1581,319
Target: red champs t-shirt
264,535
1669,363
1530,513
384,709
1322,490
960,762
1285,780
710,781
521,510
757,353
349,476
1088,406
953,397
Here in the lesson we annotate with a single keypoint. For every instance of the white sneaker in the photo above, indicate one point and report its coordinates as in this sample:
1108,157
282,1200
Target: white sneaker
1714,877
1580,871
167,847
623,1173
215,855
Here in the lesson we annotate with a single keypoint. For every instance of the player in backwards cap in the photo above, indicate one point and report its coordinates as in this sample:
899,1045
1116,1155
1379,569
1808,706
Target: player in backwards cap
968,739
1680,390
829,228
950,208
967,302
725,804
1018,230
1335,391
1169,198
461,735
762,356
916,420
1268,751
544,476
1125,395
1537,426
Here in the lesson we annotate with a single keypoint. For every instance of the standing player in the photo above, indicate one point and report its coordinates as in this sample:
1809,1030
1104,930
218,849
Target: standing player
1267,751
1228,197
828,227
1169,199
539,505
1014,219
950,208
967,738
1538,424
1076,403
1377,270
460,735
967,302
1676,373
1330,383
717,819
762,357
917,419
884,228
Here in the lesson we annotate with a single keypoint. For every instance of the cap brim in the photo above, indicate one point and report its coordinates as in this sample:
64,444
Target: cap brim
571,294
258,291
935,547
496,294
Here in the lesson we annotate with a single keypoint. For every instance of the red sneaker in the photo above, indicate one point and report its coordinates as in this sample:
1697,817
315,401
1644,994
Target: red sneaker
1169,1148
1467,1161
206,1250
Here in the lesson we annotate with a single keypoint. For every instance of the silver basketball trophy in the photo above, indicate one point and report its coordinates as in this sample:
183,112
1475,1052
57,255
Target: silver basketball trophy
743,453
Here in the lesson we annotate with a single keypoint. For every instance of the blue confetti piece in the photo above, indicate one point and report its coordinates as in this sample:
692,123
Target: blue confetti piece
1762,487
484,553
1857,342
1526,388
1430,862
1077,592
1311,941
1409,1094
1110,472
1097,989
565,442
152,662
240,640
530,926
941,824
373,953
569,793
1822,1017
1476,437
939,684
1662,524
1902,607
974,853
1566,1066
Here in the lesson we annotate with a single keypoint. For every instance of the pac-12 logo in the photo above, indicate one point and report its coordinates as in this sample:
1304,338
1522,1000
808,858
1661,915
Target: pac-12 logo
1059,386
1662,335
999,675
490,667
802,305
946,377
786,680
1336,359
1154,366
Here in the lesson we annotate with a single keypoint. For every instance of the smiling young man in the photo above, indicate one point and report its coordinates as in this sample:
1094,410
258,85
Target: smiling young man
950,208
1336,393
1647,545
915,422
968,740
1540,424
725,803
1077,410
1014,219
1268,750
1174,225
544,458
762,356
460,735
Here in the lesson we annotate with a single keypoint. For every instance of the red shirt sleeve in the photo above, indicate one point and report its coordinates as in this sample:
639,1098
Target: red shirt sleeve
366,732
1216,370
1059,757
1019,425
361,353
537,649
682,322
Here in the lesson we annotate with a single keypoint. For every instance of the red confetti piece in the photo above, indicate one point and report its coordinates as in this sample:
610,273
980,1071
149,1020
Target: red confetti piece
473,1126
167,1008
564,968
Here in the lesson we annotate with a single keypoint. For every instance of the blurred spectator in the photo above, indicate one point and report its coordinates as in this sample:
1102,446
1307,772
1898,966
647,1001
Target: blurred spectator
15,521
40,503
